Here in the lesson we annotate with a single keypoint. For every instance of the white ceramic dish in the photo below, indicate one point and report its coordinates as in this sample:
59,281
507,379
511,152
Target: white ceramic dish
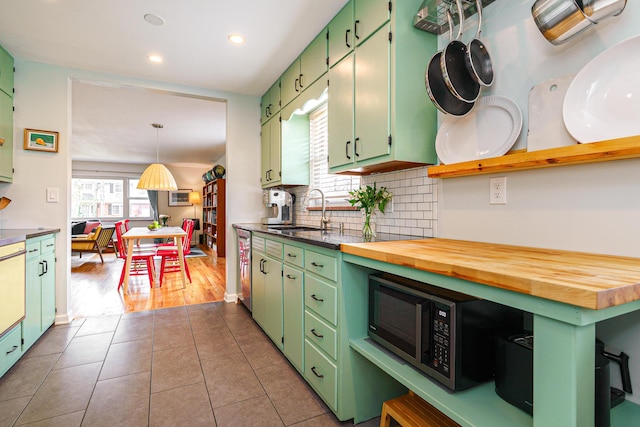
603,101
489,130
546,126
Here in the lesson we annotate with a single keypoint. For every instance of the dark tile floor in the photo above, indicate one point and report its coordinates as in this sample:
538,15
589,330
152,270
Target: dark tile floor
207,364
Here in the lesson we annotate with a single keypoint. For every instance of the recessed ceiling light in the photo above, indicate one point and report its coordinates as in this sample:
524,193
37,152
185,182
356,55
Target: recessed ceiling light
154,19
154,58
236,38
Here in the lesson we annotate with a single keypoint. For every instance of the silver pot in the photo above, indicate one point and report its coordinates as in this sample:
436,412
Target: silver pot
559,20
597,10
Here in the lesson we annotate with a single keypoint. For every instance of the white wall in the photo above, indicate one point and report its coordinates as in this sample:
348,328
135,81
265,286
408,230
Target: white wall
592,208
43,101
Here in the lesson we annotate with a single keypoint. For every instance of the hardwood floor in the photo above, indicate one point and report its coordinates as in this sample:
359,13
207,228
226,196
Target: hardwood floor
94,285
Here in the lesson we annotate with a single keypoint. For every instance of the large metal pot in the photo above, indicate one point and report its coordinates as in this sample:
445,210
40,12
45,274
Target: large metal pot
559,20
478,59
597,10
437,89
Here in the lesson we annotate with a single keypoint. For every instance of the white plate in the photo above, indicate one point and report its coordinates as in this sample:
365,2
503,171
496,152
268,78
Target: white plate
489,130
603,101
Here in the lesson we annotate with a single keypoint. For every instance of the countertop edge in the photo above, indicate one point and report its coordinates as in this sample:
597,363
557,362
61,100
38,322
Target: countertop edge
9,236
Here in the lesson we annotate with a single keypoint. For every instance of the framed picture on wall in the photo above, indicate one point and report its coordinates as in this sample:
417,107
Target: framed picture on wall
40,140
179,197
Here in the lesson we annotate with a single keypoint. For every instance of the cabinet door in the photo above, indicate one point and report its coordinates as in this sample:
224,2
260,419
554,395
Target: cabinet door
48,291
369,16
6,133
273,300
32,323
274,98
313,61
372,98
341,39
290,83
275,177
264,106
293,294
340,110
6,72
265,152
257,287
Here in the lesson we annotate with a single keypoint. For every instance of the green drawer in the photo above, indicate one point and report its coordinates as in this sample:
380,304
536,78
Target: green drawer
10,349
321,297
321,373
323,265
294,255
321,334
33,249
48,245
257,243
273,248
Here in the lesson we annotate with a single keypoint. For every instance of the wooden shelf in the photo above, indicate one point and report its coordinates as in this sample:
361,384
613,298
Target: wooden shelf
615,149
213,211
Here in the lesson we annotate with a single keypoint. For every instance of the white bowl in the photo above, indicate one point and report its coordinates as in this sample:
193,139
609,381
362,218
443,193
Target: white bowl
603,101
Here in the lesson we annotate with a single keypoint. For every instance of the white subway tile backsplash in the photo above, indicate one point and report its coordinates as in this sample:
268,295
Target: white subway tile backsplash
415,203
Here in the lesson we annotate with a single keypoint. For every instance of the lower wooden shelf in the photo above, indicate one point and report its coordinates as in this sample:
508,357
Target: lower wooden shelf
477,407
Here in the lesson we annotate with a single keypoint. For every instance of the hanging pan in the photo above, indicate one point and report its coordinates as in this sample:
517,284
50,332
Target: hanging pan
453,62
478,60
437,89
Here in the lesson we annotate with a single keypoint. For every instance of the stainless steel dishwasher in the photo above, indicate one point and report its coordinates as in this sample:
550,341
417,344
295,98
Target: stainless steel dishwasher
244,266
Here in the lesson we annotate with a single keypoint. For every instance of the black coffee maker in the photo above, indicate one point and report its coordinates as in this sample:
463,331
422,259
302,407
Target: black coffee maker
514,376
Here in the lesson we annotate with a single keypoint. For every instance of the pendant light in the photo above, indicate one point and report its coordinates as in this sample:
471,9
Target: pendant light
156,176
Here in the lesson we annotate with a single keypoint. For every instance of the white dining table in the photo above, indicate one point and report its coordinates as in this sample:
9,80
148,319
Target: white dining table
136,233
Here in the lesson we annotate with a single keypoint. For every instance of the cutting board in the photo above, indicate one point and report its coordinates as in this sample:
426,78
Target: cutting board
546,125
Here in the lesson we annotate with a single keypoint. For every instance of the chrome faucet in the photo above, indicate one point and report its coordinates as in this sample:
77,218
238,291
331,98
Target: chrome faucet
324,220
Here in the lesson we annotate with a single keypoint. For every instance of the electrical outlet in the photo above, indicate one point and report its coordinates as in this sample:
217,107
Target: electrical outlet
498,191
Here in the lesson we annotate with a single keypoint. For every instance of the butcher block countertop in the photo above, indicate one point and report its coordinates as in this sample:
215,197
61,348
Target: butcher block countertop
582,279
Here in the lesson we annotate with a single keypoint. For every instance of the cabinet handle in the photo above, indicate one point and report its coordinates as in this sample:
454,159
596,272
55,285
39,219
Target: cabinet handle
262,261
315,264
313,331
301,84
316,298
41,269
346,148
346,38
290,277
292,255
313,369
46,266
268,110
355,146
355,27
14,348
296,85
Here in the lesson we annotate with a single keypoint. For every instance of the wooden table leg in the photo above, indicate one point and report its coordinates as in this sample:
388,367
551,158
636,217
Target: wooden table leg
179,241
127,266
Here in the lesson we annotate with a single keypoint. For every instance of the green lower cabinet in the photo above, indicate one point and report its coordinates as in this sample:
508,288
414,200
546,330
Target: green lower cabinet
321,372
40,289
10,349
293,327
266,295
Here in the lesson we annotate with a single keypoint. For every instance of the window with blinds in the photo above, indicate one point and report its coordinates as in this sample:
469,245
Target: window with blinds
335,187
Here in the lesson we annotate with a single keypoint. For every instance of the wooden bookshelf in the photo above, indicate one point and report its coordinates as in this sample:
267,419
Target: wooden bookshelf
213,212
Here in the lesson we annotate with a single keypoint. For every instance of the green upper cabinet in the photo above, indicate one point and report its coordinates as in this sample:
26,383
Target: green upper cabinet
270,152
394,122
6,116
369,16
306,69
341,39
270,102
6,72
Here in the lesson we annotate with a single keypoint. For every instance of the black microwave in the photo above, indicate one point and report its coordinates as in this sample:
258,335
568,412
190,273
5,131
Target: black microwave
449,336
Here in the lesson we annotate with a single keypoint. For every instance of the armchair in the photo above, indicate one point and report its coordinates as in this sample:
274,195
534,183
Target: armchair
95,242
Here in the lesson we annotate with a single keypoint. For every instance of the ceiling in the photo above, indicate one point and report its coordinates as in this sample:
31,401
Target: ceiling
112,36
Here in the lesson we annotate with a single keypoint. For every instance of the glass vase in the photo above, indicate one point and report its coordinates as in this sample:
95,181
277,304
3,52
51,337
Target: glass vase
368,225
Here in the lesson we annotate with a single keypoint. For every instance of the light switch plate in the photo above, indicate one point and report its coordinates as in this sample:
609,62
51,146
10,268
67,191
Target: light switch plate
53,195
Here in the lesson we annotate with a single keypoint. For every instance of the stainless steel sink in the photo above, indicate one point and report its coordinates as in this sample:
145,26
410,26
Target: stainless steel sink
293,228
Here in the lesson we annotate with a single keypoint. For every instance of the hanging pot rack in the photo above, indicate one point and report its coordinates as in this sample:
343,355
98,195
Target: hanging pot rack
432,16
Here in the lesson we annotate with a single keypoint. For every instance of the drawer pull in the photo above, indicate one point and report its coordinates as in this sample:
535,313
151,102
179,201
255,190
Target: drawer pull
315,264
291,255
290,277
14,348
313,331
316,298
313,369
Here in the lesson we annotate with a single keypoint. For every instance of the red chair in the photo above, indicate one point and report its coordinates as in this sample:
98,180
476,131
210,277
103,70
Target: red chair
169,253
141,261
